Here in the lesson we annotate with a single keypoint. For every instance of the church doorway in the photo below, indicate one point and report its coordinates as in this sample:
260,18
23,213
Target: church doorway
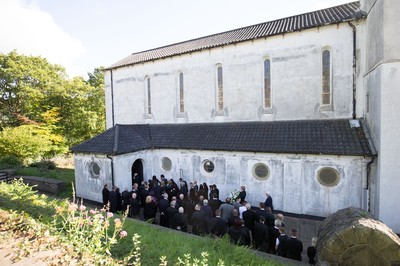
137,168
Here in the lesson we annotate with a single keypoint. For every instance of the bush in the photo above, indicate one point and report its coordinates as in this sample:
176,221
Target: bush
10,161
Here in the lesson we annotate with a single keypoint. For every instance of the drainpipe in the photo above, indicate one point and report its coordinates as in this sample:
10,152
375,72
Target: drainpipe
369,180
112,169
112,97
354,67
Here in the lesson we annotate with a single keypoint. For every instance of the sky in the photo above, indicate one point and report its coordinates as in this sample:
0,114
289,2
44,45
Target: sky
81,35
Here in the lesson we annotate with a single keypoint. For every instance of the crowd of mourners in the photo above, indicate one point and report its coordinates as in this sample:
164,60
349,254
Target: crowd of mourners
197,209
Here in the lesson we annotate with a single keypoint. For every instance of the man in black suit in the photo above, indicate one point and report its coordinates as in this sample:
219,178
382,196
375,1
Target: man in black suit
217,225
106,195
249,218
268,201
198,221
261,231
294,247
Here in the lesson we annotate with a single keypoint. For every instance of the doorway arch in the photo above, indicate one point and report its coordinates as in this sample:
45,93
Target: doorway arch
137,167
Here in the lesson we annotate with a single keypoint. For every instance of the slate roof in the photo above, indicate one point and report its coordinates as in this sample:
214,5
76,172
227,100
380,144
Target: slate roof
332,15
334,137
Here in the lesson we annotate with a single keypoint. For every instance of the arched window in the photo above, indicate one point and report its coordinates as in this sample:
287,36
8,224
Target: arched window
326,78
220,90
148,107
181,94
267,83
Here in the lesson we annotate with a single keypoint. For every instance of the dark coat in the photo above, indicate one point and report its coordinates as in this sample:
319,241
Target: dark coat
261,236
282,247
294,248
311,253
217,227
113,201
268,203
170,212
198,222
180,222
106,196
249,218
239,235
272,236
134,207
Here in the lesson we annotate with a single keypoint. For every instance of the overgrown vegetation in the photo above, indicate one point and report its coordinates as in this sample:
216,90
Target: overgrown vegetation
98,237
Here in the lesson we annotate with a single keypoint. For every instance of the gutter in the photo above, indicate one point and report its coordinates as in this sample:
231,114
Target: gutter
112,97
354,68
369,180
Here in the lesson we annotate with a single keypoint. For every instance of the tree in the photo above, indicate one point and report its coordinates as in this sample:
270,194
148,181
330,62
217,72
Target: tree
26,82
39,102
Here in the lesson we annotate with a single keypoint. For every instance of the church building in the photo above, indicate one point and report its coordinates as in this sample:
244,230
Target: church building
303,107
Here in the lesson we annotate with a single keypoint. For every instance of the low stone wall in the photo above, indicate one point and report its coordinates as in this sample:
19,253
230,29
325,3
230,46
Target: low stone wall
47,185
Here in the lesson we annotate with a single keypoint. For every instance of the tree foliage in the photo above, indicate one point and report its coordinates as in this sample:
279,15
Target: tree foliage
40,107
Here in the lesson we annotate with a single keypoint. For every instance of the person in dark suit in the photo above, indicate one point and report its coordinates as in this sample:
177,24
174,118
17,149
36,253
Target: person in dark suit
312,251
106,195
261,234
281,247
180,220
125,199
239,234
217,225
242,194
162,207
294,247
198,221
170,212
113,200
249,218
272,236
134,209
268,201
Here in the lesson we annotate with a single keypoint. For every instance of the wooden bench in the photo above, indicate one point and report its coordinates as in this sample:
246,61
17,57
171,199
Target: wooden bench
4,176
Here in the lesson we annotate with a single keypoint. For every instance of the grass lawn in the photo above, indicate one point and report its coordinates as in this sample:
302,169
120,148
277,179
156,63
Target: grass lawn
155,241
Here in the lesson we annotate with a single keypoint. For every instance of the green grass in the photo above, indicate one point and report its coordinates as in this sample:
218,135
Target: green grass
155,241
64,174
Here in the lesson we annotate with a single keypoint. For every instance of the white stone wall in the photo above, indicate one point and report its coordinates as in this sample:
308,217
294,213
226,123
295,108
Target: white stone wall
381,80
293,178
87,185
295,76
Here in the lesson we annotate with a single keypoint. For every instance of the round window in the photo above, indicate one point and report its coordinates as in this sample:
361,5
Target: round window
328,177
261,171
208,166
166,163
95,169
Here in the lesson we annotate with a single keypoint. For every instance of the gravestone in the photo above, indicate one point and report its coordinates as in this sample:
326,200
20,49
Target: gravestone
352,236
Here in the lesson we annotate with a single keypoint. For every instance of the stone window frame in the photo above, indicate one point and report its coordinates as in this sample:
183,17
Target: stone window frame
166,164
326,183
204,169
261,178
147,84
326,80
219,90
267,88
94,169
